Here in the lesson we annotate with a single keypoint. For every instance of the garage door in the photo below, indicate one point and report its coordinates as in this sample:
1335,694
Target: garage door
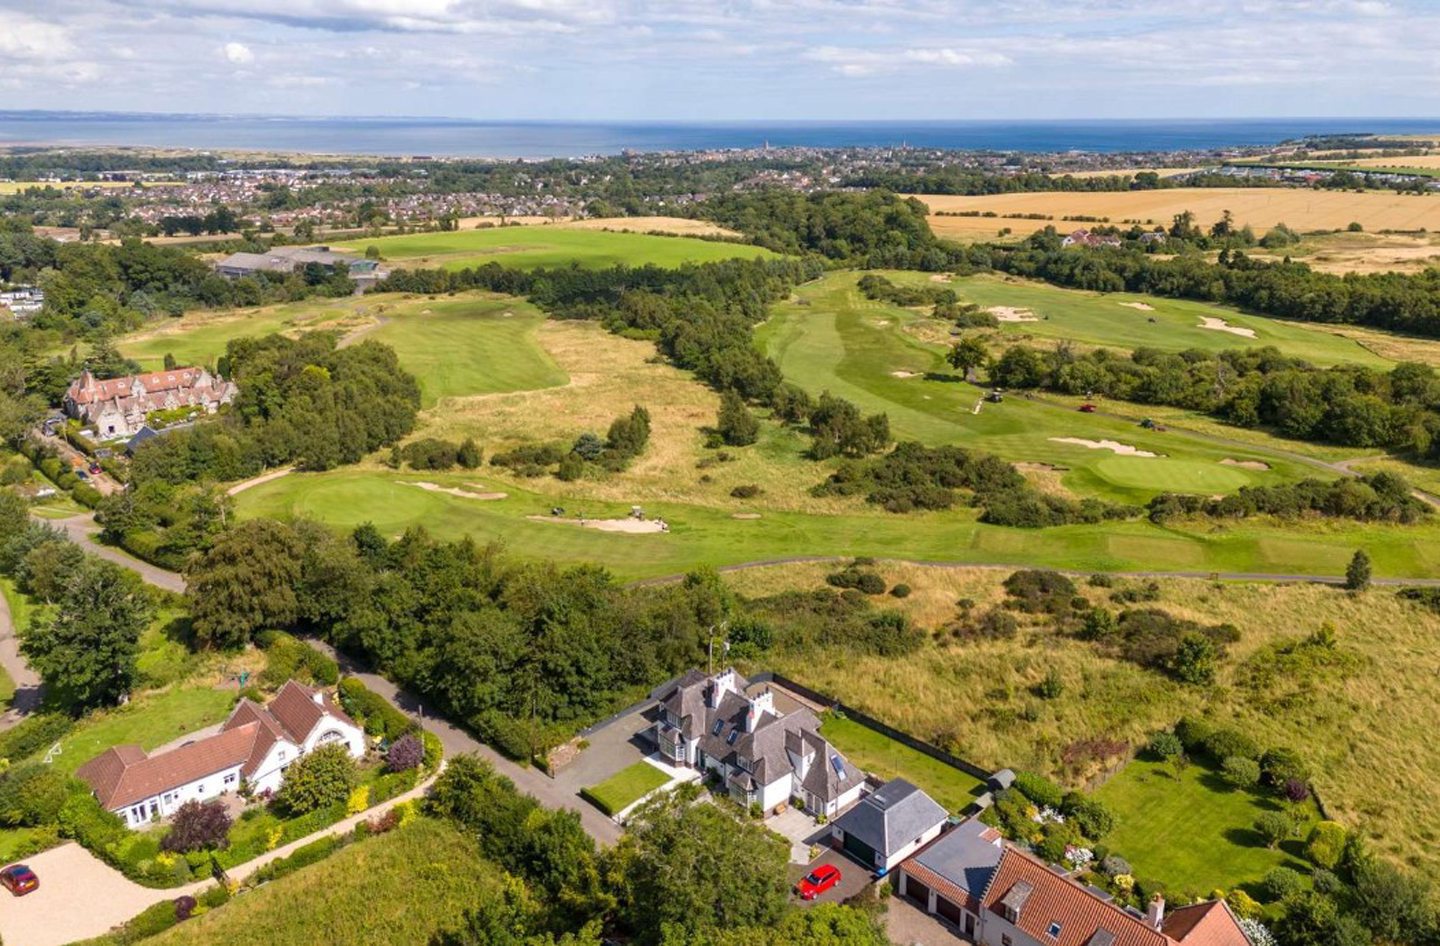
859,850
917,891
948,910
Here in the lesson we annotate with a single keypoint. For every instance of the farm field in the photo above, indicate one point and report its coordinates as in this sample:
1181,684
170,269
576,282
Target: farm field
1129,321
532,247
977,697
1260,208
401,887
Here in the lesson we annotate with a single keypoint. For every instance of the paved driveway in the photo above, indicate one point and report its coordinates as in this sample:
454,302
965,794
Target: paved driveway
853,877
907,924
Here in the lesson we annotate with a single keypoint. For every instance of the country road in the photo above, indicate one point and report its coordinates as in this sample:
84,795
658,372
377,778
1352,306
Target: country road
82,530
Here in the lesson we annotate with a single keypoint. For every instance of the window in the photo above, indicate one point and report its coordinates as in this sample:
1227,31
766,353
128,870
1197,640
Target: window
1054,931
230,779
734,734
200,789
281,756
719,725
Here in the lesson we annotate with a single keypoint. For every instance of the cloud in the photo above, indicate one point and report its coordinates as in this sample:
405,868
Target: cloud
25,37
855,63
239,54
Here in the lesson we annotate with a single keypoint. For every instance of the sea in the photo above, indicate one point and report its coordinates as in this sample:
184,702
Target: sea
443,137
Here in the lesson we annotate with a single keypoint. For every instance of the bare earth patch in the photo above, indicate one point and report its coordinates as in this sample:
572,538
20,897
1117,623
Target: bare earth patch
940,277
1246,464
1005,313
1123,449
1220,325
1142,306
631,526
453,491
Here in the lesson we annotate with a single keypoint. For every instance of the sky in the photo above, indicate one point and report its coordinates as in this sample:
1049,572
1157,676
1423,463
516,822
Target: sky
714,60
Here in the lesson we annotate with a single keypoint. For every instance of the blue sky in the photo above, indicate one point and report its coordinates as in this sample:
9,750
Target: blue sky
726,59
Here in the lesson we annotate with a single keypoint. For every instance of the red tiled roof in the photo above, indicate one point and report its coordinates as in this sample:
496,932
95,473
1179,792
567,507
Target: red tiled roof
295,709
84,393
1205,924
1056,899
247,712
124,775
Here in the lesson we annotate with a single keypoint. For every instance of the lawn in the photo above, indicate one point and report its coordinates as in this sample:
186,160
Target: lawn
625,787
535,246
1192,831
885,758
150,721
402,887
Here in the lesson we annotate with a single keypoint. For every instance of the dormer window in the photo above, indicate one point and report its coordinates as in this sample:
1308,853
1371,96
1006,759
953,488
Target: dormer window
1054,931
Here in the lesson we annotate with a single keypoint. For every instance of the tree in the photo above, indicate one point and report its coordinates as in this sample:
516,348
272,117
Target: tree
322,778
737,426
1357,574
1397,907
32,795
245,583
967,354
197,825
1194,661
86,651
1274,827
469,455
693,868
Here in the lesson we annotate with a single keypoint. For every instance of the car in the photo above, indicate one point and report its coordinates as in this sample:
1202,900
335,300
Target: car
94,468
1087,408
819,880
81,473
19,880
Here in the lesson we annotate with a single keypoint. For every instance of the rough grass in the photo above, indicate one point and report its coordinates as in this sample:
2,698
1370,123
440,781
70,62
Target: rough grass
532,247
1194,832
978,699
625,787
402,887
886,759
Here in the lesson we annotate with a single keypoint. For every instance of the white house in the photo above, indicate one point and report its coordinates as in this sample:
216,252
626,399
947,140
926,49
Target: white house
889,825
255,744
765,757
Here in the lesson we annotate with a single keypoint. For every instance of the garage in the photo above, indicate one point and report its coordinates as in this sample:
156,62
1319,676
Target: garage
948,910
917,891
859,850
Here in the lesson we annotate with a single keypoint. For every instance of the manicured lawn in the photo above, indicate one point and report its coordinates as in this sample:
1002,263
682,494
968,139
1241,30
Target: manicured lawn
625,787
476,345
536,246
402,887
149,722
1193,832
887,759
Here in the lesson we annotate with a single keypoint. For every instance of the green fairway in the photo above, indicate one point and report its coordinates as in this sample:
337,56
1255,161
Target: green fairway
535,246
885,758
1177,476
1113,320
477,345
625,787
1192,831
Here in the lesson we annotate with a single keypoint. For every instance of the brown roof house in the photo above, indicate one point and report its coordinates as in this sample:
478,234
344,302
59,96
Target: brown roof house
995,894
256,744
117,407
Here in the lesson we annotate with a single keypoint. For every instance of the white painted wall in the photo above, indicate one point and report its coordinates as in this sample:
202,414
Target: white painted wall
140,815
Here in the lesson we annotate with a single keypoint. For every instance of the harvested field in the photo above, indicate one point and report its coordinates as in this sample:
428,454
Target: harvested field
1363,252
679,226
1260,208
1121,172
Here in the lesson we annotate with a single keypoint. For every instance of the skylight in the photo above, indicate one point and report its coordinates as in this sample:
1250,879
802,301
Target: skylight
838,764
1054,930
734,734
719,725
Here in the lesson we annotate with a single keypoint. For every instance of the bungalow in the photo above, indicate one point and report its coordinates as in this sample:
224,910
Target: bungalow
764,757
995,894
255,745
889,825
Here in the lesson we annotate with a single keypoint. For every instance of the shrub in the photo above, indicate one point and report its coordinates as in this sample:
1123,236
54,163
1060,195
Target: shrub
1040,592
901,590
994,624
304,856
1282,883
1274,827
33,735
1296,790
1326,844
196,826
1222,744
1240,771
746,491
1193,734
405,753
1114,866
289,658
373,711
1039,789
1165,745
1089,816
860,579
184,907
1051,687
322,778
1326,882
1278,766
735,424
1244,905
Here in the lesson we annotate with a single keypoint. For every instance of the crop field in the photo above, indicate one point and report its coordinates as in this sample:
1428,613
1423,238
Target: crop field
534,246
1372,711
1259,207
1129,321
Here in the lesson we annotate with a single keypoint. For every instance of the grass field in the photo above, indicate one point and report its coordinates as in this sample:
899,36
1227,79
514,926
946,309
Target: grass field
1192,831
886,759
200,337
978,699
625,787
402,887
1259,207
1114,320
535,246
149,722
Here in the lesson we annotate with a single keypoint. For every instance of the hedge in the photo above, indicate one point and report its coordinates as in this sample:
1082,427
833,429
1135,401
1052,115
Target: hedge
374,712
33,735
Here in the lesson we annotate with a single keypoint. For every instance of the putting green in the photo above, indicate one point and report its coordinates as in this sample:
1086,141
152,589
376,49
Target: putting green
1170,476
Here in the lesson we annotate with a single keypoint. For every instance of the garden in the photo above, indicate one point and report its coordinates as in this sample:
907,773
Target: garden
885,759
625,787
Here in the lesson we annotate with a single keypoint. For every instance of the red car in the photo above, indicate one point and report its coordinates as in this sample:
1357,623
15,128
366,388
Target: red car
1087,408
19,879
818,881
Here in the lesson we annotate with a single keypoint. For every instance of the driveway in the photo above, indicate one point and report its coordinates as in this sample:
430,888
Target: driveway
853,877
907,924
615,747
801,831
82,531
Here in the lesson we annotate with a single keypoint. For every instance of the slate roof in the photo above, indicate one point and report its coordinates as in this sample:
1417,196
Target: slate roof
892,816
959,864
830,774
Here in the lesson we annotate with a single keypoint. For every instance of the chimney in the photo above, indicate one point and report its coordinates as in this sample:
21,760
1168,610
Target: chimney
720,684
1156,913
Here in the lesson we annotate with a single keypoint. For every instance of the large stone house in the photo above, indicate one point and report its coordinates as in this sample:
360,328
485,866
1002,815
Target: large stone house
257,743
117,407
992,893
765,758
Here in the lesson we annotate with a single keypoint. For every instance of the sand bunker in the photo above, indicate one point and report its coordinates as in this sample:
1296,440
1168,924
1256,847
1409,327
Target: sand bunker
940,277
1245,464
1005,313
745,515
1123,449
1143,307
632,526
1220,325
453,491
905,374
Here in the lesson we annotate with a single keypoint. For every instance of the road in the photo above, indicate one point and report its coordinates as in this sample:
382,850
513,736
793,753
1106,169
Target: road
28,692
82,530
